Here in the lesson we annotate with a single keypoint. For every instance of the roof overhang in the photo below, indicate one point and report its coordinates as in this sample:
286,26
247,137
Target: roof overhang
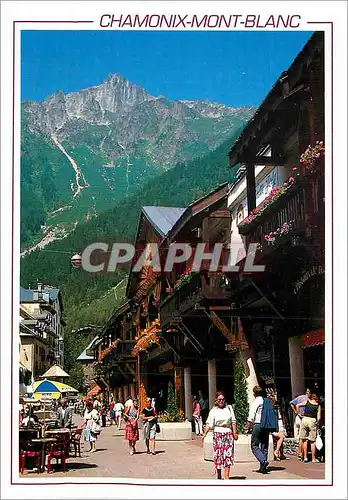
287,90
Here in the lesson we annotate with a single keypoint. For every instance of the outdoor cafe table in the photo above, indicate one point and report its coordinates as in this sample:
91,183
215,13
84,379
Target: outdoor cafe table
62,430
44,442
26,433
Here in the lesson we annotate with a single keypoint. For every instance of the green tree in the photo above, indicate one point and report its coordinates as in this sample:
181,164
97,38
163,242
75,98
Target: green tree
76,379
172,413
241,405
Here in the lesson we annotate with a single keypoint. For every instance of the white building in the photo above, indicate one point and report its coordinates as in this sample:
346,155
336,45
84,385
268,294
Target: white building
41,319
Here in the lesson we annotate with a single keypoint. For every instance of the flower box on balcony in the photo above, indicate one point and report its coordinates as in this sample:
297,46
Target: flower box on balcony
264,209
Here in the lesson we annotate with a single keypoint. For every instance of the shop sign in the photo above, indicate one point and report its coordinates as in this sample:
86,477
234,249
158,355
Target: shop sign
262,343
313,271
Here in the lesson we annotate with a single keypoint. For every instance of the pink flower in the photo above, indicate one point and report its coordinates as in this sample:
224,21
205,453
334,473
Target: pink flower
291,179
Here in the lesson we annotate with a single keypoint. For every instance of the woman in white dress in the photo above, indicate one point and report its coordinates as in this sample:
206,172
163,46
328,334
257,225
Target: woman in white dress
222,420
92,429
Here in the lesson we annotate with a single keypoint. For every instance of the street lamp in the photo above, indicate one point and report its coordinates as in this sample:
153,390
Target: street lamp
76,260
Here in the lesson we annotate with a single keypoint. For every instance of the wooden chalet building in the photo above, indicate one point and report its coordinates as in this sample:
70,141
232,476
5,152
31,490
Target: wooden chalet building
195,310
114,366
278,204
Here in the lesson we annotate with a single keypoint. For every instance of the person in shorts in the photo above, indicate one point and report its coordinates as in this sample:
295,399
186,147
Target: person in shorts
309,425
150,418
303,398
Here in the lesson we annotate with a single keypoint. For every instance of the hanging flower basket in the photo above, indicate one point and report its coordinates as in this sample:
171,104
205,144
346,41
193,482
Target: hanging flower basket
147,338
185,278
272,237
144,343
312,156
275,194
107,351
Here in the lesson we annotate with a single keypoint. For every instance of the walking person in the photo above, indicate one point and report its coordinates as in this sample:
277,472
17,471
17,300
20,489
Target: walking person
118,410
197,416
149,415
309,425
278,436
92,427
81,408
65,414
103,412
204,405
302,398
112,412
128,402
263,420
131,416
222,420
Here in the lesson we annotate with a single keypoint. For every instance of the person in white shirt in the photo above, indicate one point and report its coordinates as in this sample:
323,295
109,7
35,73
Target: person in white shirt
259,436
222,420
118,409
92,429
129,403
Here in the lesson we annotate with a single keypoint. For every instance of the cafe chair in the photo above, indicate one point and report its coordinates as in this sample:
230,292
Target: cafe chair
29,452
57,451
75,441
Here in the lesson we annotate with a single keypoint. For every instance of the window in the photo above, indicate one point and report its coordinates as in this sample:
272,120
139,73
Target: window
240,214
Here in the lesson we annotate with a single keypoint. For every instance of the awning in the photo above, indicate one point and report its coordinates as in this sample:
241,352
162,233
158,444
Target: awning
55,371
93,392
313,338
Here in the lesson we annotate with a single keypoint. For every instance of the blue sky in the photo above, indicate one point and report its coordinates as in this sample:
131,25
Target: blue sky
234,68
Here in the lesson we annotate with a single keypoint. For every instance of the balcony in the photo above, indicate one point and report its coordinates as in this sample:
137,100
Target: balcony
300,211
202,288
122,350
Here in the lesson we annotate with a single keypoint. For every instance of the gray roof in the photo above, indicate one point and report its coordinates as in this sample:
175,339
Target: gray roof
163,218
54,292
85,357
27,295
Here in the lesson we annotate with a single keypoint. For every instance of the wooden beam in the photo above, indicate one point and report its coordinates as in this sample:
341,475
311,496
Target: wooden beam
220,308
191,338
221,214
130,368
220,325
264,160
251,187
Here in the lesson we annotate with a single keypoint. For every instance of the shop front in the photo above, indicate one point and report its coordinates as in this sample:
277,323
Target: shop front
313,345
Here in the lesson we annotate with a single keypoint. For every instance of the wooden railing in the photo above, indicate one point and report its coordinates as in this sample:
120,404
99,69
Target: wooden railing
122,350
302,208
202,287
291,211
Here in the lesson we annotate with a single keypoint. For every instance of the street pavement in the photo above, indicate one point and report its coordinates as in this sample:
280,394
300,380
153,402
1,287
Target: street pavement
173,460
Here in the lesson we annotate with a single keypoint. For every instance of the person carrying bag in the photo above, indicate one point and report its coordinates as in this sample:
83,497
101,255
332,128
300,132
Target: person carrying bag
263,420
